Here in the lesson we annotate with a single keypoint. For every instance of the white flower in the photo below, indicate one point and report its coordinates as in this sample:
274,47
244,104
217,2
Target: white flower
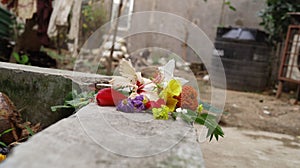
129,77
167,72
180,110
130,80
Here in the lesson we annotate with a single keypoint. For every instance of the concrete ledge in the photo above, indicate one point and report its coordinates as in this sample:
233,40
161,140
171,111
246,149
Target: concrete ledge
35,89
82,141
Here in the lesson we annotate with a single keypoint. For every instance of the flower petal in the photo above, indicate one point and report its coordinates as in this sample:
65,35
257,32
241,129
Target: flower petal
157,104
109,97
167,70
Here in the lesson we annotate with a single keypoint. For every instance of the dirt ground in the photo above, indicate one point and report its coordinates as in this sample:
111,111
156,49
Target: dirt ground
262,112
259,111
260,131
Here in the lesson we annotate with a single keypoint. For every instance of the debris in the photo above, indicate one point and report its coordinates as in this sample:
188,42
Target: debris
267,112
293,101
12,127
296,109
9,119
206,78
120,50
235,106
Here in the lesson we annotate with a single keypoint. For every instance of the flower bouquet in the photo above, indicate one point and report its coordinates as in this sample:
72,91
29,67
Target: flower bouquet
163,95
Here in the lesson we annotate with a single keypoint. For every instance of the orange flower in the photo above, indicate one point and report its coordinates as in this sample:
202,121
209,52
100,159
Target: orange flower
188,98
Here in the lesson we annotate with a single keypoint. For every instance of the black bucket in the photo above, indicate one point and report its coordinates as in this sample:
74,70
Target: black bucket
245,55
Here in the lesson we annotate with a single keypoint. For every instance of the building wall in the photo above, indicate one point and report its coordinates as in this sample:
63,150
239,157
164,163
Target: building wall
207,15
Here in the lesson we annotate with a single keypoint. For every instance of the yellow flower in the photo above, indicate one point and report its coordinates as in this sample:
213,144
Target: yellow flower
161,113
174,87
2,157
172,90
200,108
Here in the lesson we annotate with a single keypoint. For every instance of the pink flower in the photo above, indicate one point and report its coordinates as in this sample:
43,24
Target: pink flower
155,104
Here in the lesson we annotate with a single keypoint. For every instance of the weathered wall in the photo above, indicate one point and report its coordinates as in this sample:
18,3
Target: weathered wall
34,90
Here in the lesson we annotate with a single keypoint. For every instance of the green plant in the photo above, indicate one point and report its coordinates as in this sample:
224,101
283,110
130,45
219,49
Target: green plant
31,133
275,18
53,54
75,100
228,3
21,59
5,132
208,120
93,16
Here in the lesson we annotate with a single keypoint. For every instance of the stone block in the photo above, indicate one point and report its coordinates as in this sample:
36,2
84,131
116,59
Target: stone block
103,137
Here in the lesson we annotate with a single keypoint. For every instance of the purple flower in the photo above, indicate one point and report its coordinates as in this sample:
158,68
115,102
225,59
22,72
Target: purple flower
132,105
138,103
126,106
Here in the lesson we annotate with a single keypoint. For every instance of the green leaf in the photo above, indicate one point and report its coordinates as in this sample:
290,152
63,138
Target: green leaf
210,108
208,120
6,131
174,115
232,8
184,117
210,123
54,108
77,103
3,144
24,59
227,3
29,130
16,56
75,100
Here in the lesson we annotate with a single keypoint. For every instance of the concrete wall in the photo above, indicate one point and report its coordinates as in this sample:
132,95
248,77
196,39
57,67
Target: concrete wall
207,15
34,90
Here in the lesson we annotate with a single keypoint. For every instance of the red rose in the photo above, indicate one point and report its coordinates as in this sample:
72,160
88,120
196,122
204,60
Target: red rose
109,97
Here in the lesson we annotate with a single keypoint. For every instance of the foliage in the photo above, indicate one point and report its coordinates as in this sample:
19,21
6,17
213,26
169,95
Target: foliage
5,132
53,54
275,18
93,17
228,3
31,133
208,120
21,59
75,100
